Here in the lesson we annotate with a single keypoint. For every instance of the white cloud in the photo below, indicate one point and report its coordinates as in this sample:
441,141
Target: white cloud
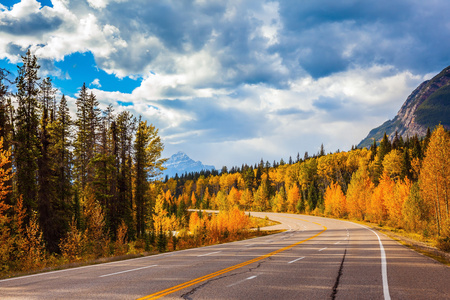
239,76
96,83
257,121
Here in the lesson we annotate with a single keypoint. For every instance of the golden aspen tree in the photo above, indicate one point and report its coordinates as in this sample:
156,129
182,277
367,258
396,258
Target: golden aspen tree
5,237
121,243
434,178
392,164
200,185
234,196
213,202
34,247
335,201
193,200
160,215
395,204
237,221
194,223
168,197
293,197
6,241
279,204
97,239
72,245
246,199
359,193
206,198
377,210
415,211
221,201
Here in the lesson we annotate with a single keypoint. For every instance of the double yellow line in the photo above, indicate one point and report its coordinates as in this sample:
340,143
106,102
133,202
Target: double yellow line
226,270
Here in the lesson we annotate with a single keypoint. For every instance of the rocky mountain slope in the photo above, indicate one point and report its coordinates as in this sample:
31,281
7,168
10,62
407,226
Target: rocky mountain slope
180,163
427,106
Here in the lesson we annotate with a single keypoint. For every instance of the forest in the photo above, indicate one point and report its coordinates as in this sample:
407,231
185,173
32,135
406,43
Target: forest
401,183
83,188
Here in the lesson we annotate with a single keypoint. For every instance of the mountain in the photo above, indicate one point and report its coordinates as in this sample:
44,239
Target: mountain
427,106
181,163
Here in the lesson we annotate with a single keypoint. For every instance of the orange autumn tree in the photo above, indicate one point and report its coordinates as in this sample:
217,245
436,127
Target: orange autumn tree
359,193
335,201
5,236
293,197
381,195
396,202
434,178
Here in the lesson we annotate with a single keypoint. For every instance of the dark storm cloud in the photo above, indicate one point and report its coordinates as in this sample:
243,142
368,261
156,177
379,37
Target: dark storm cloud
185,28
410,35
319,37
33,24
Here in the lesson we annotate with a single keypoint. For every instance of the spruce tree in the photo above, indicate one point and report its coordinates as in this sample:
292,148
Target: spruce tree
27,146
85,143
147,164
51,213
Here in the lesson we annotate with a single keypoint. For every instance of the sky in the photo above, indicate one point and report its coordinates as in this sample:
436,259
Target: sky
234,82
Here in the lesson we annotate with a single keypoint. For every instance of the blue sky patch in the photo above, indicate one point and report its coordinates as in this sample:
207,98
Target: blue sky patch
10,3
79,68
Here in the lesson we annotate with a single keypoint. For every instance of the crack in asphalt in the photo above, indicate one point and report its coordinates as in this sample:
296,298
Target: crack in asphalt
336,283
187,295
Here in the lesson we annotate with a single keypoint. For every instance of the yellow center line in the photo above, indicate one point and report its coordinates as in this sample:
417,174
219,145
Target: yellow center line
229,269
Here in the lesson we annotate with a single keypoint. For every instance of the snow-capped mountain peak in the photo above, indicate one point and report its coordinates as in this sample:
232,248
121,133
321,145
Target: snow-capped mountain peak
180,163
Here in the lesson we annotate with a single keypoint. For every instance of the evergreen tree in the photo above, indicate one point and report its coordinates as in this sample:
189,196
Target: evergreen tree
147,164
51,213
61,143
85,144
27,145
122,205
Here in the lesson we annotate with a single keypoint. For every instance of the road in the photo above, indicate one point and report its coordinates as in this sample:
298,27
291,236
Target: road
315,258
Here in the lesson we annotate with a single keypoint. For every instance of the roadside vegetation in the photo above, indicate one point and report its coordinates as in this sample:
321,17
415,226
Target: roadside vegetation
75,191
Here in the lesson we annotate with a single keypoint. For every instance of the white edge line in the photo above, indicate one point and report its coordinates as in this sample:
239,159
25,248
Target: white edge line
106,275
387,296
293,261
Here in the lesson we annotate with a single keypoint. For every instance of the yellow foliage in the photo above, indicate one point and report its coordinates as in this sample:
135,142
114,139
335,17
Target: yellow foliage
435,176
72,245
194,223
293,197
335,201
160,219
359,193
234,197
381,195
392,163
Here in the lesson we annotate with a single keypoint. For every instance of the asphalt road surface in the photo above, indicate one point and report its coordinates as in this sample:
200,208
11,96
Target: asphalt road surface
315,258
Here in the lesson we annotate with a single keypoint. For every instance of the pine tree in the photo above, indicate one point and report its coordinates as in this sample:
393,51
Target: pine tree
85,143
27,147
61,143
122,205
147,164
51,214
